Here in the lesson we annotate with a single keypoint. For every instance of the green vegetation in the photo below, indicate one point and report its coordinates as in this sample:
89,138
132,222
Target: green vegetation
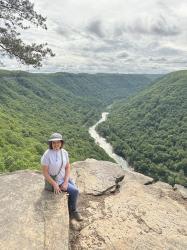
150,130
32,106
15,16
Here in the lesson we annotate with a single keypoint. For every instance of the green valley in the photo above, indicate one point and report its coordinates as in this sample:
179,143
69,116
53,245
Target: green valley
32,106
150,129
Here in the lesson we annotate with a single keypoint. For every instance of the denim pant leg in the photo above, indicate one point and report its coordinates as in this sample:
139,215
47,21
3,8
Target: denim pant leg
73,195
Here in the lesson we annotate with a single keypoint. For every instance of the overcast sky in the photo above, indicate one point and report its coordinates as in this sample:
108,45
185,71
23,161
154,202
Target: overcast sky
122,36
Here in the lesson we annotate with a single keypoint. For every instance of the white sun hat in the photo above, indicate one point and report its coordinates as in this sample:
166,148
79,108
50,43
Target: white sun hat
56,137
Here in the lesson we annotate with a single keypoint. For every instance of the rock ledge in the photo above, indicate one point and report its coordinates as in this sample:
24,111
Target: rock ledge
31,218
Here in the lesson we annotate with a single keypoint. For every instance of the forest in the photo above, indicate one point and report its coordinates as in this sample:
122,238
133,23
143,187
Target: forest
149,129
32,106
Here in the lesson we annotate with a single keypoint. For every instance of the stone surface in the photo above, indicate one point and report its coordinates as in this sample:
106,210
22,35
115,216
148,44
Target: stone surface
121,210
92,179
30,217
182,190
135,216
137,177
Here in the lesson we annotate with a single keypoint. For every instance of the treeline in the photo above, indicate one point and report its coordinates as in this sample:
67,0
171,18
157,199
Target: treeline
32,106
150,130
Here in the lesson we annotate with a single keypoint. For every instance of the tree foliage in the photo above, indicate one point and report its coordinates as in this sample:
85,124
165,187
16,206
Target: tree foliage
32,106
17,15
150,130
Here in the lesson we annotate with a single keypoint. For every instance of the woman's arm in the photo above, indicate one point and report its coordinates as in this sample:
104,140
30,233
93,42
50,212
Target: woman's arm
50,179
66,177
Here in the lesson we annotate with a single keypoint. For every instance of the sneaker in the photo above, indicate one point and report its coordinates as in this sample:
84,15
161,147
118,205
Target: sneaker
76,215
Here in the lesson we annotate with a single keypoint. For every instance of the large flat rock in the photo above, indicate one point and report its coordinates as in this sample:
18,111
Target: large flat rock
92,179
137,216
30,217
119,210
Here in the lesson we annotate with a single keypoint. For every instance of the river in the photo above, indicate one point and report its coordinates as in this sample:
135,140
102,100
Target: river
107,146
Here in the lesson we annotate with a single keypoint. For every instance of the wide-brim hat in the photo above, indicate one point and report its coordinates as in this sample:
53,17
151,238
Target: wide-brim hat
56,137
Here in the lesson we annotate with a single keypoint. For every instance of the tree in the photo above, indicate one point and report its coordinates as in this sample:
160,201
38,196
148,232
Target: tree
16,15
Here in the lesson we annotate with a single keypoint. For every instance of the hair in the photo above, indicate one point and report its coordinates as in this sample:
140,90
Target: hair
50,144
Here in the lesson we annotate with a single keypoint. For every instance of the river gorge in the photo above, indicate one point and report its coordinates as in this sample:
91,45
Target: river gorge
107,146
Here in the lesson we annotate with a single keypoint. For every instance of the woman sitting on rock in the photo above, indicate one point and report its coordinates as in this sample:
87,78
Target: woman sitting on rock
56,170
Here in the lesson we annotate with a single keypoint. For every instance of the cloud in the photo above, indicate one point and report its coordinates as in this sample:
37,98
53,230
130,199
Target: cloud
158,60
164,28
148,26
123,55
63,31
95,27
167,51
112,36
2,64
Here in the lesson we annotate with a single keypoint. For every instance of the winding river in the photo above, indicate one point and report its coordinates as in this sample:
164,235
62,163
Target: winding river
107,146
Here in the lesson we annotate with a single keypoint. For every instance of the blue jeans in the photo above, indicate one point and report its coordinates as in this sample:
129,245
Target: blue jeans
73,192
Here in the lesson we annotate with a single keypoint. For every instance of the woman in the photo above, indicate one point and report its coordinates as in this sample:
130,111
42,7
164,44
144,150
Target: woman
55,161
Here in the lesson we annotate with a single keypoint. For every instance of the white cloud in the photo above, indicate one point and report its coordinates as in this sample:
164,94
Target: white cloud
112,36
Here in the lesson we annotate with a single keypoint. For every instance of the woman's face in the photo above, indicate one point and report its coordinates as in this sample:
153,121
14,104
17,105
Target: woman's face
56,145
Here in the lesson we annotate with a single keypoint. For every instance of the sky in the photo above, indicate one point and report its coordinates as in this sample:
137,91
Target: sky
112,36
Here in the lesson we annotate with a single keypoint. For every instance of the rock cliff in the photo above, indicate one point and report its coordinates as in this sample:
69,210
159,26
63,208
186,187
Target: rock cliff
31,218
127,213
121,210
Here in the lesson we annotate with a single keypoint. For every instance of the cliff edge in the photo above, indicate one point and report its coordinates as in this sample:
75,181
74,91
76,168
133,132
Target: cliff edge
121,210
127,210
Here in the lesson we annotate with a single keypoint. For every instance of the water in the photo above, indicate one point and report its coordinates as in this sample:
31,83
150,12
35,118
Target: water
105,145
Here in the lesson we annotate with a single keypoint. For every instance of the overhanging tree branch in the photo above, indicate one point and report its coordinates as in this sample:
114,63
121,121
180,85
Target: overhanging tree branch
15,15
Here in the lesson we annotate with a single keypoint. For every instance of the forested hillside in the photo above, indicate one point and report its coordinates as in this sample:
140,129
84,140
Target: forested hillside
32,106
150,130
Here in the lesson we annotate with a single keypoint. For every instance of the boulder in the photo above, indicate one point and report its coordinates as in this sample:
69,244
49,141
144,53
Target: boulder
30,217
92,179
132,216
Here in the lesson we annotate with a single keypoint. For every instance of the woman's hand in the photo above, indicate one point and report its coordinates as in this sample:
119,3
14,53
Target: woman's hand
64,186
57,189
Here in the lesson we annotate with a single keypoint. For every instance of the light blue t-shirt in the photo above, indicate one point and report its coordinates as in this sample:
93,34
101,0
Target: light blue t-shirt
53,159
